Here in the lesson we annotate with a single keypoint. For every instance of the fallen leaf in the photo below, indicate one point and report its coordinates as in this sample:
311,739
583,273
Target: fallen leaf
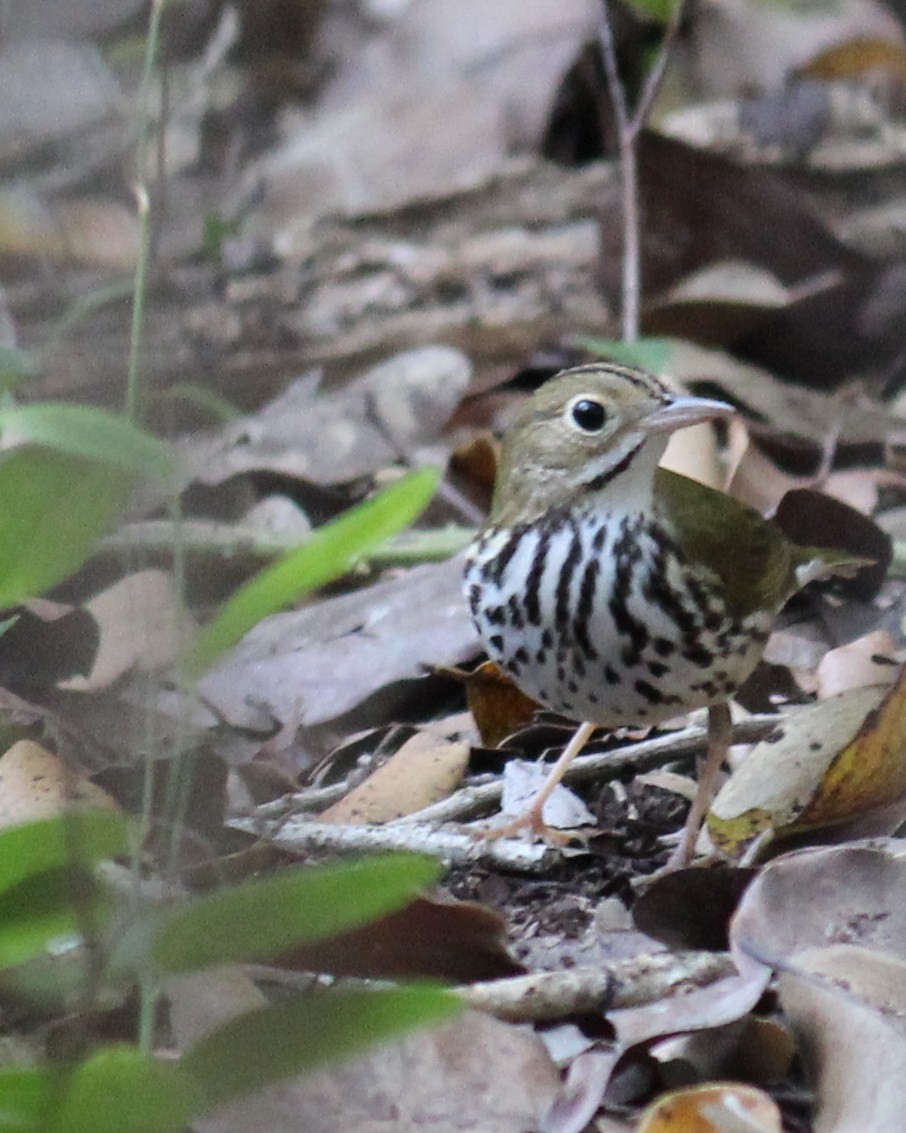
719,1107
717,304
142,625
327,438
35,783
431,938
321,663
869,660
849,894
806,773
870,772
426,769
499,708
847,1006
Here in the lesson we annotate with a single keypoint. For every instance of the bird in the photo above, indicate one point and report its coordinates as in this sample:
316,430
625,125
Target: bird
613,591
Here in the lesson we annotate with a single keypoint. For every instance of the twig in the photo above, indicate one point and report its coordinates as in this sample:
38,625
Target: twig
452,847
470,802
628,128
635,982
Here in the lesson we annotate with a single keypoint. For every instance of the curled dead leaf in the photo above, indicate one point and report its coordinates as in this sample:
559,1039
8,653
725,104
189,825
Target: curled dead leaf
499,708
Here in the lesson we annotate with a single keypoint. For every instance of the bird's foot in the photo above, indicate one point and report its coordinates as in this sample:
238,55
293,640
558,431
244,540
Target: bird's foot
530,823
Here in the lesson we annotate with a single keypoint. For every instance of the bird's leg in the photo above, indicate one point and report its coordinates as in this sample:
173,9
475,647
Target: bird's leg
532,818
720,731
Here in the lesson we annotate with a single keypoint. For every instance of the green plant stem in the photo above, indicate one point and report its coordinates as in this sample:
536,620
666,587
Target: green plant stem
147,988
143,202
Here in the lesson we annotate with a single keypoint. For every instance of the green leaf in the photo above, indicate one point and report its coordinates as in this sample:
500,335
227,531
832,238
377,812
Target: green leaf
650,353
298,906
78,838
658,10
328,554
121,1090
15,366
53,509
25,1092
265,1046
46,911
90,432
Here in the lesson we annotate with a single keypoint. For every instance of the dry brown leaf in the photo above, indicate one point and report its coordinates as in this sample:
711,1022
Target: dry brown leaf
863,57
431,938
726,1107
848,1006
426,769
314,665
870,772
716,305
694,453
35,784
854,894
806,773
753,477
499,708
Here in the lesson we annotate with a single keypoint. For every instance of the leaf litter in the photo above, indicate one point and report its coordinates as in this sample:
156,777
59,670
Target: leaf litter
775,298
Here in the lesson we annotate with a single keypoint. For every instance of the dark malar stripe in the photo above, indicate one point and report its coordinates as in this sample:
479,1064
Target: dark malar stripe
533,581
495,569
565,579
603,479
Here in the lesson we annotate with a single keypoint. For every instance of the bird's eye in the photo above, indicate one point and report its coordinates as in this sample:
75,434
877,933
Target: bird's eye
587,415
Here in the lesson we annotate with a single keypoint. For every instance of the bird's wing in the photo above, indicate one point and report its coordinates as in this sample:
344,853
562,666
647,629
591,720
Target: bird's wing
753,558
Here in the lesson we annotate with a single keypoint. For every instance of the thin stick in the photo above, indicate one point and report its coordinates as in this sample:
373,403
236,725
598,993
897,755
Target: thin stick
629,127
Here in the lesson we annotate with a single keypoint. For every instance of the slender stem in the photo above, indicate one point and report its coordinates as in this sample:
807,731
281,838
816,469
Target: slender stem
631,271
655,76
629,127
147,989
143,203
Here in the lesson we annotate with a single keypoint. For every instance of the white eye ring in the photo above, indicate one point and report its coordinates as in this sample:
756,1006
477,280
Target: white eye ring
586,414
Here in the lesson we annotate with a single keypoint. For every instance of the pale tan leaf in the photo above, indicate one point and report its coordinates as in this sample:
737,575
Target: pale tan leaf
35,784
426,769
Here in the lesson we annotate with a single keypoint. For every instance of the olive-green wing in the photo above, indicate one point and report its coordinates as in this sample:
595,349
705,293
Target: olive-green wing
753,558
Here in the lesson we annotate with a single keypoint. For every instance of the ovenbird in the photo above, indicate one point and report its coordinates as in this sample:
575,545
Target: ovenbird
616,592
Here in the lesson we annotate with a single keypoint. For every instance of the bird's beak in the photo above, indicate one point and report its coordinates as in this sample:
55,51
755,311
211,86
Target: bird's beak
683,411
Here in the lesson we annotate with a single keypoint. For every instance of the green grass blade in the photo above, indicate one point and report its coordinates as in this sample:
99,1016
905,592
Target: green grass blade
90,432
328,554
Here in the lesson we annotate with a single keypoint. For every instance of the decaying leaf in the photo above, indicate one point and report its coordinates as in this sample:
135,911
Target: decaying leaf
826,763
424,770
35,783
142,625
319,663
850,894
499,708
848,1007
719,1107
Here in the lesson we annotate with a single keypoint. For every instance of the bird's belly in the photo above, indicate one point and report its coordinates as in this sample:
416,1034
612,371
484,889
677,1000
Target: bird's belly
601,625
